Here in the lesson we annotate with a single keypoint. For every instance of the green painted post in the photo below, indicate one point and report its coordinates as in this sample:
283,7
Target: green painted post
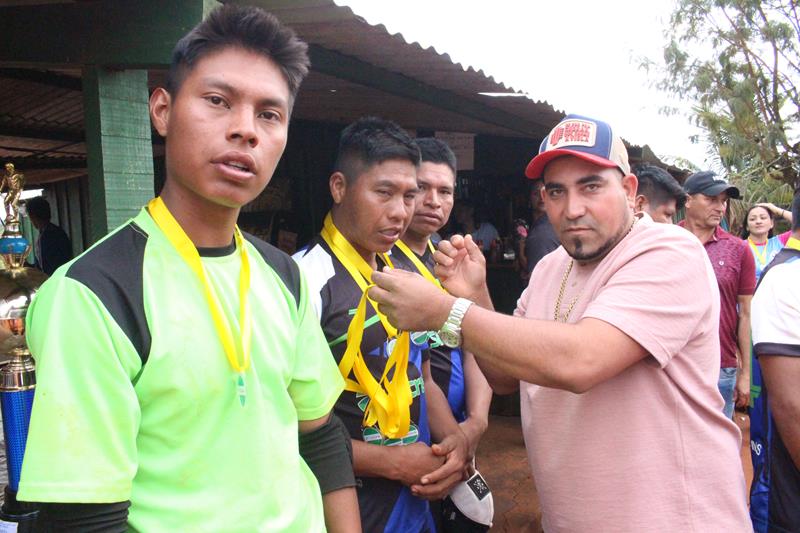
118,145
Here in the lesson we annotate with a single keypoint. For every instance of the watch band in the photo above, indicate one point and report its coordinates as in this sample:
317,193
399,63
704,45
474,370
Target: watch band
450,332
458,311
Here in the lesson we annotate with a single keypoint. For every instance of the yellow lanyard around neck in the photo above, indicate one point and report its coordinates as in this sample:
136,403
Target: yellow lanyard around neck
761,255
359,269
793,243
188,252
389,399
419,265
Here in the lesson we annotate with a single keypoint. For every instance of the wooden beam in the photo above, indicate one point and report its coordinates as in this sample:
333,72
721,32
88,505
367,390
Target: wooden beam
137,34
52,79
351,69
48,133
40,163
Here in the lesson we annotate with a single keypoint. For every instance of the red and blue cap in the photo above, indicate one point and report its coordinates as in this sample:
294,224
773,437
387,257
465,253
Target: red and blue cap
583,137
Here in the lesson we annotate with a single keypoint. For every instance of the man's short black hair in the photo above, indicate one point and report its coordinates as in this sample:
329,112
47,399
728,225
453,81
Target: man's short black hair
796,210
38,208
433,150
247,27
371,141
658,186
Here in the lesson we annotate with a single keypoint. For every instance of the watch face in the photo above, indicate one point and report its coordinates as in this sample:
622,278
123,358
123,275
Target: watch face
451,339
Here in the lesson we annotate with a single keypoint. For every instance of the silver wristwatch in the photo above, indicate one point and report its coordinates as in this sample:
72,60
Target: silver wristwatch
450,332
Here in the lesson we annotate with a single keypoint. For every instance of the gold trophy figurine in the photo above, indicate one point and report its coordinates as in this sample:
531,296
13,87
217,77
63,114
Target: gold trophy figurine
14,248
18,285
12,185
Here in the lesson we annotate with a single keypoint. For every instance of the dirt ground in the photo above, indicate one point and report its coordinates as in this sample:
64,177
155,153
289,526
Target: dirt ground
503,463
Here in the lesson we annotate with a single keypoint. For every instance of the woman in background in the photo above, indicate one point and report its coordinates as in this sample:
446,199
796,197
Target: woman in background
759,224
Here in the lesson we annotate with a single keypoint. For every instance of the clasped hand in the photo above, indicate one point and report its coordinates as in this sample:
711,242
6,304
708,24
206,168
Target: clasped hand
431,472
412,303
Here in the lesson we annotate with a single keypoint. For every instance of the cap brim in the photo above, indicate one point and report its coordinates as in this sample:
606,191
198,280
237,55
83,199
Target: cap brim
535,168
716,189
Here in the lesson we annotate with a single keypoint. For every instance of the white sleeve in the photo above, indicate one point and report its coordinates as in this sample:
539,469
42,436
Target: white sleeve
317,267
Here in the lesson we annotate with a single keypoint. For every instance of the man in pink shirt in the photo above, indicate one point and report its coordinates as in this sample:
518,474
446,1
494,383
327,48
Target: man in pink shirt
613,347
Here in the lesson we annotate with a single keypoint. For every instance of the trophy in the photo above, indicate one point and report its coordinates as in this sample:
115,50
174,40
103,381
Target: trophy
18,284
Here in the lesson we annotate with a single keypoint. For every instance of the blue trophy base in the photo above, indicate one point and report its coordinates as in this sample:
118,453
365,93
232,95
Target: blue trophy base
16,407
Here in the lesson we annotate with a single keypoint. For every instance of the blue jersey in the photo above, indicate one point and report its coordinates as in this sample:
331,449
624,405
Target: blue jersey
775,491
447,367
760,430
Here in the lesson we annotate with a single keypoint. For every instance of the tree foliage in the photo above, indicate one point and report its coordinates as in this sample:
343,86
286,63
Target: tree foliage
738,63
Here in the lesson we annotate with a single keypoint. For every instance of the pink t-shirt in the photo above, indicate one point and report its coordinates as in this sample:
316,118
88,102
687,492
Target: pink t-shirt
649,449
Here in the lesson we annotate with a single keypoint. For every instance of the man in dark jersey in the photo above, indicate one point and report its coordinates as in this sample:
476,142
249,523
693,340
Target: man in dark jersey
456,374
373,186
155,408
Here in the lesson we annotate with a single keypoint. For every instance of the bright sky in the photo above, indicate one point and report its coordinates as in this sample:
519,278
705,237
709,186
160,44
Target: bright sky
580,56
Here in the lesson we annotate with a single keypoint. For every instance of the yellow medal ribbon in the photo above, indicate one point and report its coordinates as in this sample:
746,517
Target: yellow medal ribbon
761,256
188,252
793,243
389,399
419,265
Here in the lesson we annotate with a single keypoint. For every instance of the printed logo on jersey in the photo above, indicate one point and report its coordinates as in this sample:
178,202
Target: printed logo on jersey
371,435
756,447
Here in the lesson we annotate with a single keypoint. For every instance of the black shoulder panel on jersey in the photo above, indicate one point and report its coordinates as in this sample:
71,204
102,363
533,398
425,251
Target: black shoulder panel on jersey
284,265
112,270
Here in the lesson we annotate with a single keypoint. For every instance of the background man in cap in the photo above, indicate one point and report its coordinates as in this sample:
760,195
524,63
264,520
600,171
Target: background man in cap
620,412
659,194
734,269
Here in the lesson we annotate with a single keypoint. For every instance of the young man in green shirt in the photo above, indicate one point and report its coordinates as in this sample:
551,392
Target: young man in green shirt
178,358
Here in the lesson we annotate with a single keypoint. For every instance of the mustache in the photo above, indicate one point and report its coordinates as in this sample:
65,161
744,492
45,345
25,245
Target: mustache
578,224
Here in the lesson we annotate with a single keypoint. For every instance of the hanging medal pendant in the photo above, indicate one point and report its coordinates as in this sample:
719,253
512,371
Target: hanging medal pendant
241,389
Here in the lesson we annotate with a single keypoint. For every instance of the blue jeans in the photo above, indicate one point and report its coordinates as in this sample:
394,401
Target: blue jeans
726,385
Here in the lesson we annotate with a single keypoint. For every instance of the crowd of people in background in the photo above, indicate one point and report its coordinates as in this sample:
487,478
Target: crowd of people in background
739,265
192,377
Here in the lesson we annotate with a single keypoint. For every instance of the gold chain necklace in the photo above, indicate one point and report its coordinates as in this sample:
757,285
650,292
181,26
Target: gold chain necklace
564,287
561,295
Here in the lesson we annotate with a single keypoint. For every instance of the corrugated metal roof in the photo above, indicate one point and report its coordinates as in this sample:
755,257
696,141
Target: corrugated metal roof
43,125
338,28
41,119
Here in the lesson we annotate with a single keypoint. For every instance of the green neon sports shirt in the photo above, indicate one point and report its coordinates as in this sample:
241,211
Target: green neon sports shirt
137,401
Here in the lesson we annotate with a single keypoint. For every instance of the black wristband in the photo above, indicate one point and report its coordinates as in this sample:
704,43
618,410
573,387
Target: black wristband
328,452
82,517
